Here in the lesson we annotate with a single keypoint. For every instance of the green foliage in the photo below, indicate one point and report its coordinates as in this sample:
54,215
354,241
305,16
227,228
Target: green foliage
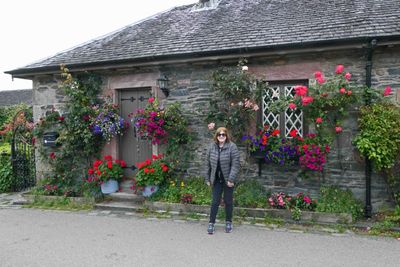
179,191
6,175
334,199
78,146
251,194
179,138
57,185
59,203
5,147
379,138
7,117
195,186
238,93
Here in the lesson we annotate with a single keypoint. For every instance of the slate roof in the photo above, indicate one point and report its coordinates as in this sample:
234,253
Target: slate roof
14,97
233,25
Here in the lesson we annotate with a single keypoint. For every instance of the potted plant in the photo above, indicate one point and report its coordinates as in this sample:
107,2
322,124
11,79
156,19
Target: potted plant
150,122
109,172
152,172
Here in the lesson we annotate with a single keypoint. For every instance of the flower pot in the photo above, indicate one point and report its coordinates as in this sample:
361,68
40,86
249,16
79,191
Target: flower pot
111,186
149,190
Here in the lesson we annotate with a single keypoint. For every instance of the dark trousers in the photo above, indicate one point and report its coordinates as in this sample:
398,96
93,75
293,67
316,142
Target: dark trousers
217,190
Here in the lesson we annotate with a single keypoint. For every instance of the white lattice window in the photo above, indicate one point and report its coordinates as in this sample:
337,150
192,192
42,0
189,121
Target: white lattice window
285,121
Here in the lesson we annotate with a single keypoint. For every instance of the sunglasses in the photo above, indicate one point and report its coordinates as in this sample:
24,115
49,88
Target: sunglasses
221,134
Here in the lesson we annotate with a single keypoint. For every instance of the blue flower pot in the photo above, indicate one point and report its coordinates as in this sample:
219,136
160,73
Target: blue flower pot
149,190
109,187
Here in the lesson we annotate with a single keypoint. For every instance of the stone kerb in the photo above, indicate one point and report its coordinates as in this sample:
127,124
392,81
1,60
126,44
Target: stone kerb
306,216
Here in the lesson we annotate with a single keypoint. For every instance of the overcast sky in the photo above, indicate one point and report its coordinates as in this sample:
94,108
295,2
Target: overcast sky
35,29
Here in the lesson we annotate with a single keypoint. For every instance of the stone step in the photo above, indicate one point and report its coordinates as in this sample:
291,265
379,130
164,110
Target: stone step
126,197
119,206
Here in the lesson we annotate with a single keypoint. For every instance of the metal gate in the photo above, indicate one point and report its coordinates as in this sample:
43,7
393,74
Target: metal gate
22,157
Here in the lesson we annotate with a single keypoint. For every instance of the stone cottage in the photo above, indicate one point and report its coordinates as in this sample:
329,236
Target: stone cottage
284,40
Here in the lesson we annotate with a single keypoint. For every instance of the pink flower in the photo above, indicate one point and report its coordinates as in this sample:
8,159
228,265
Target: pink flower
347,76
349,92
292,105
307,199
52,155
321,80
318,120
211,126
317,74
255,107
338,129
301,90
306,100
339,69
387,91
342,90
151,100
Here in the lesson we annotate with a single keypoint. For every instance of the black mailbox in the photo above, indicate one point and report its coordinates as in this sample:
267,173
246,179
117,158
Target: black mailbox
49,139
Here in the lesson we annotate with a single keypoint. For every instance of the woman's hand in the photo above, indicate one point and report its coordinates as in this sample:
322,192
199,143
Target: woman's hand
230,184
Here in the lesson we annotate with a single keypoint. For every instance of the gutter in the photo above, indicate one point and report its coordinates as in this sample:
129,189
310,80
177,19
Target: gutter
205,56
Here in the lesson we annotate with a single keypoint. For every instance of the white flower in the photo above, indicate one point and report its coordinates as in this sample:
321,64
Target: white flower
245,68
211,126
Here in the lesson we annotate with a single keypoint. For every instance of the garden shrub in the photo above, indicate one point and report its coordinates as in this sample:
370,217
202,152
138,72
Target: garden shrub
6,175
250,194
334,199
196,187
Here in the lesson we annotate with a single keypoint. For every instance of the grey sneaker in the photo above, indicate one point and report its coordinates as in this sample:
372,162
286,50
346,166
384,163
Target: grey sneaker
228,227
211,229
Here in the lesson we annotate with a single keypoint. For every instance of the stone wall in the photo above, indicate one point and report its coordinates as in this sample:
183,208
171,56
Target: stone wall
190,85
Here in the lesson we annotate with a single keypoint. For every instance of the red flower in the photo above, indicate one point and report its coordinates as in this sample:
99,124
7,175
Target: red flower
146,170
317,74
275,133
152,170
109,164
339,69
292,105
293,133
151,100
305,100
349,92
90,171
387,91
307,199
108,157
61,118
301,90
52,155
338,129
165,168
98,172
342,90
347,76
321,80
154,157
264,140
318,120
122,163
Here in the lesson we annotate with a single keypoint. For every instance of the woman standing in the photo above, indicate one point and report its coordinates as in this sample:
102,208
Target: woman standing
223,163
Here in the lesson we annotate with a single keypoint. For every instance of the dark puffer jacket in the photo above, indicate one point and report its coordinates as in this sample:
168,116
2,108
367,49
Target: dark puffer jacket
229,160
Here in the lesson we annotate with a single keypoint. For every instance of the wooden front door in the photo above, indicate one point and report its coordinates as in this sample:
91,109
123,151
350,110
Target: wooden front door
133,149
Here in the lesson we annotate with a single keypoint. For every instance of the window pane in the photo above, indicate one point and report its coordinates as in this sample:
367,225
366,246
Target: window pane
270,95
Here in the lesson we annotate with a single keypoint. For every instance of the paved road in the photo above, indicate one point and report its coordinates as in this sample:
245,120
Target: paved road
31,237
